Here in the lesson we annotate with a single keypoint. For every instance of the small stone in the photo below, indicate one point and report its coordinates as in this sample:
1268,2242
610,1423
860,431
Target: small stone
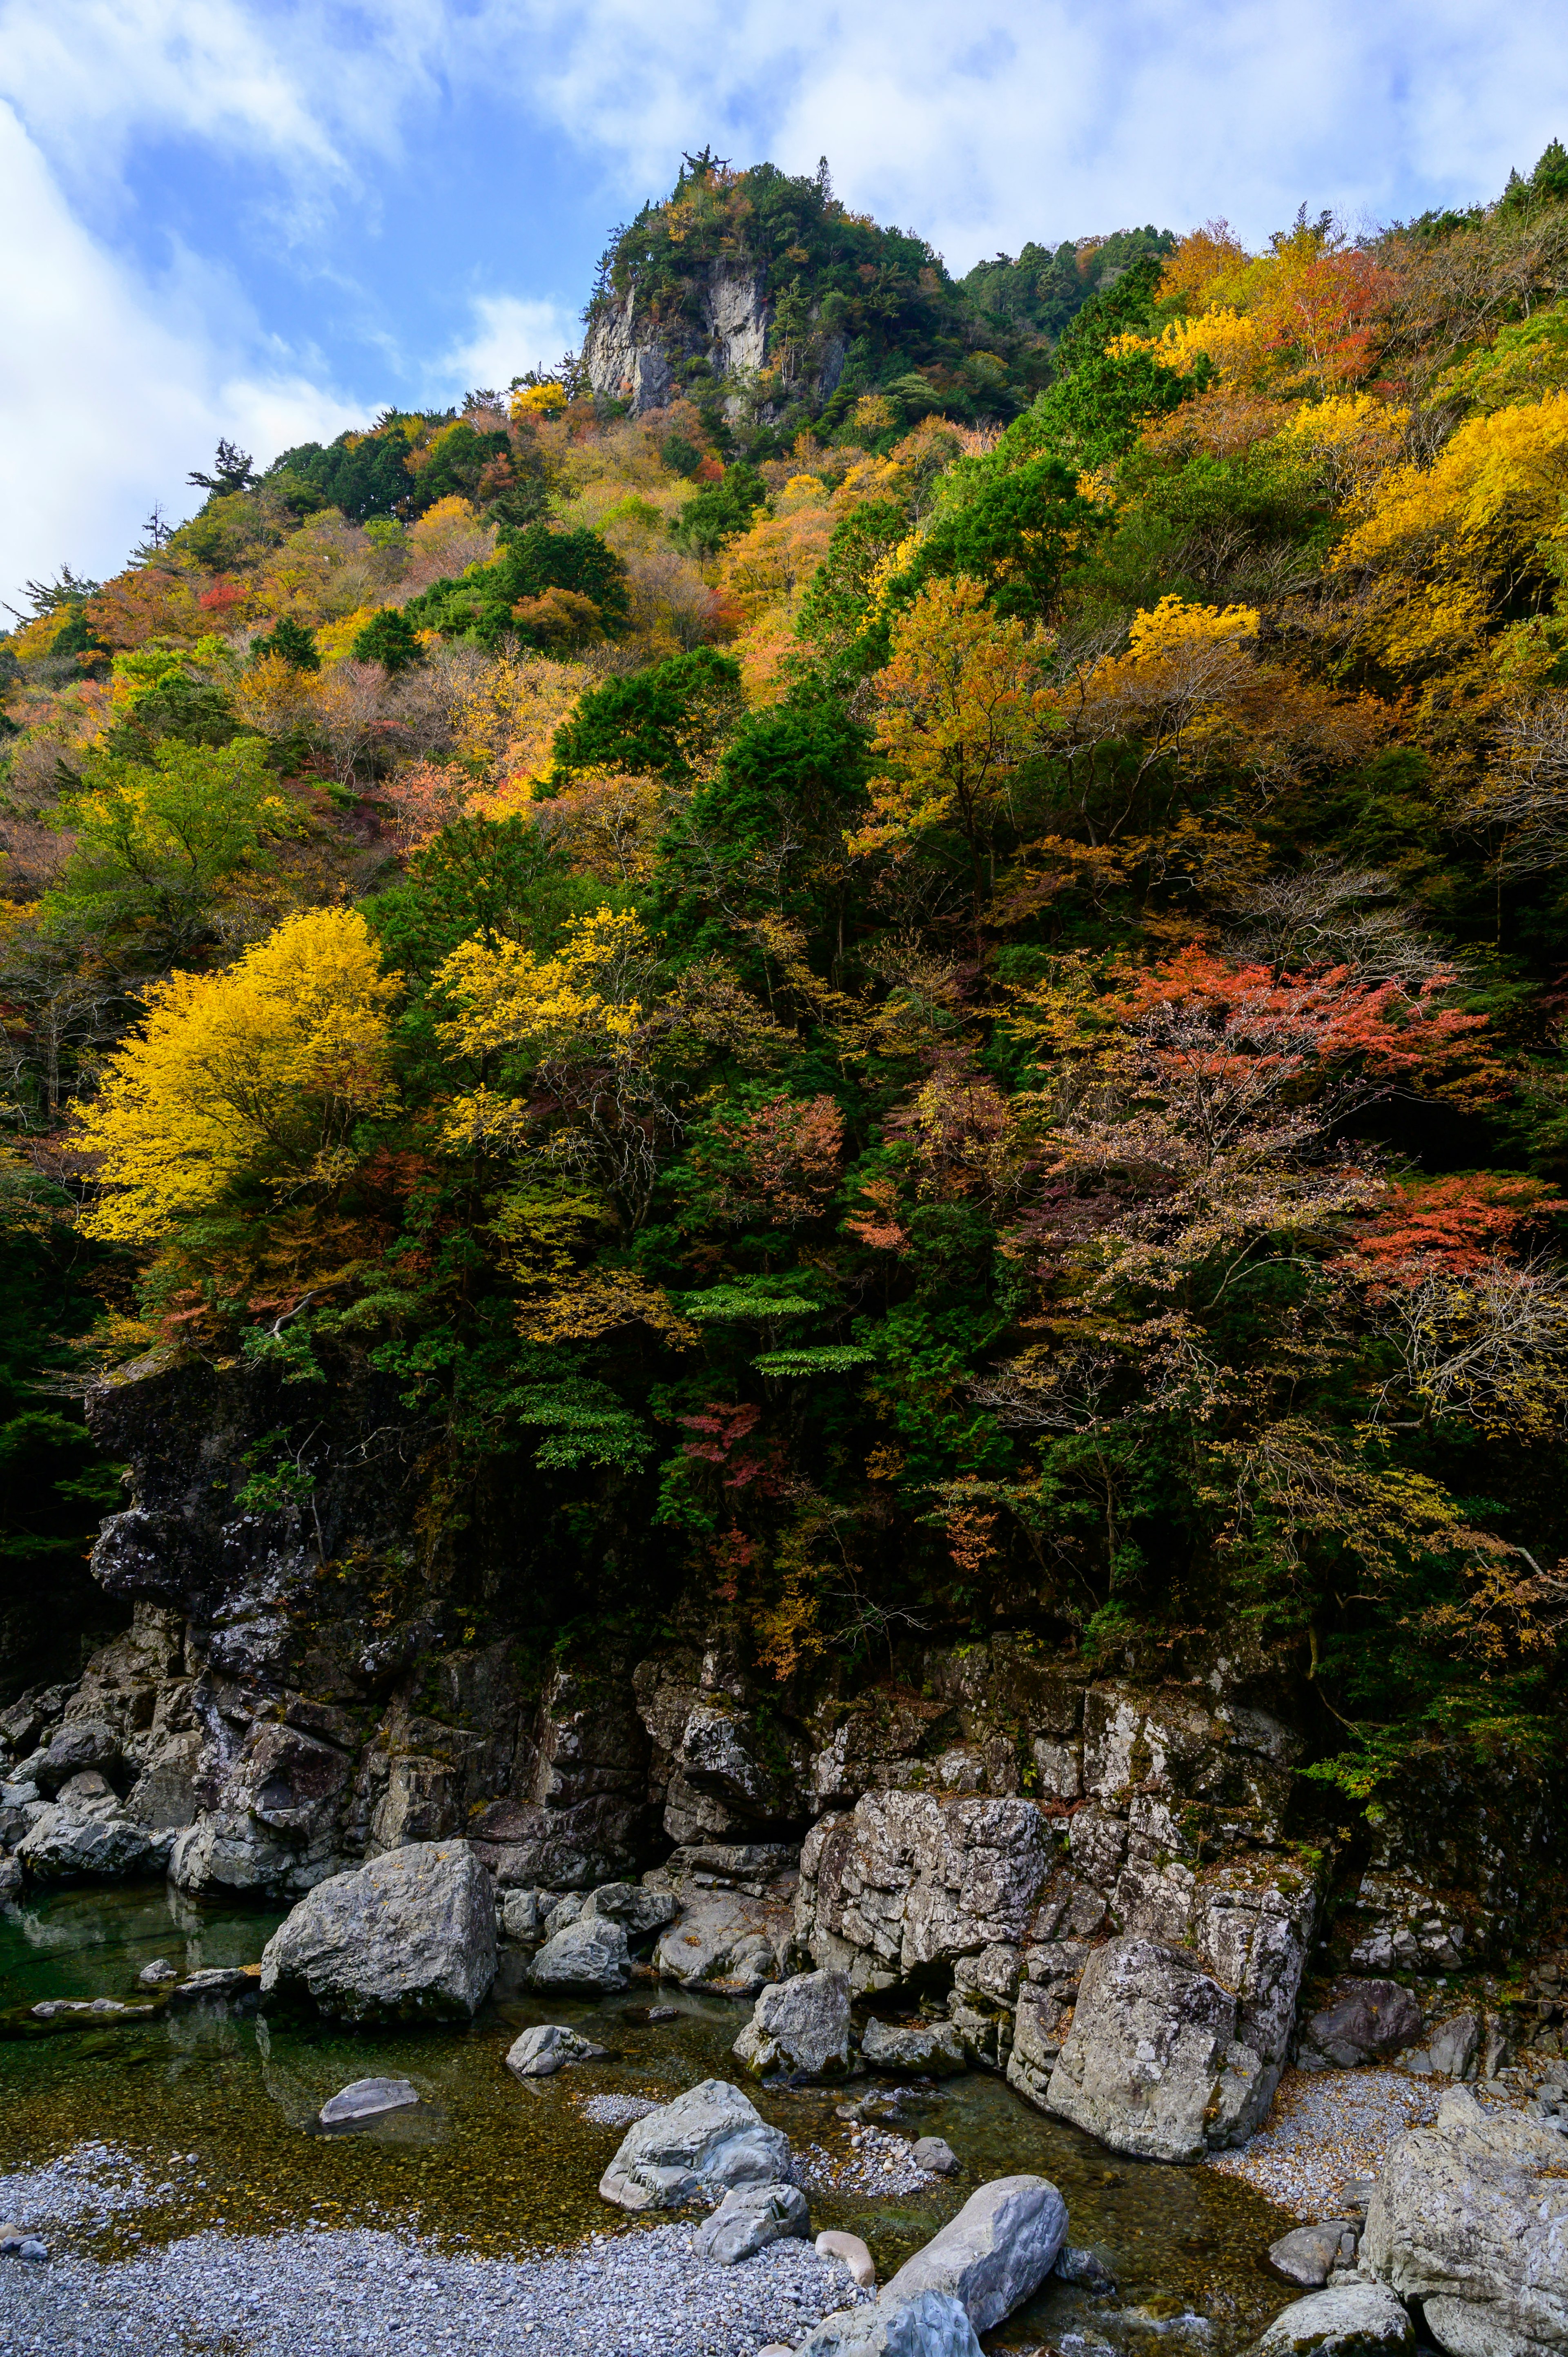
852,2251
935,2153
159,1970
663,2013
366,2099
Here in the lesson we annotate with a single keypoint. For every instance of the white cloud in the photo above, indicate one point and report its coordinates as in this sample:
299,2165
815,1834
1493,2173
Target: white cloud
511,336
109,390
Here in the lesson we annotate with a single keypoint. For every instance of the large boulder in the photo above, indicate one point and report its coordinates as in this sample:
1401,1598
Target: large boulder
801,2025
705,2141
80,1744
734,1928
930,2324
590,1954
1357,2320
1152,2065
1363,2022
994,2254
638,1910
89,1836
410,1936
907,1883
750,2218
1470,2218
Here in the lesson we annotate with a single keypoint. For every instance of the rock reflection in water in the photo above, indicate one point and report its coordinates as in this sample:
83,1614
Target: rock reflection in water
488,2165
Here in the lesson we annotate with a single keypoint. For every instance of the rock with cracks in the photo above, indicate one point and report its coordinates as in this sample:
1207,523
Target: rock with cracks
590,1954
1361,2319
410,1936
539,2053
1470,2217
801,2025
705,2141
930,2324
995,2253
750,2218
1152,2064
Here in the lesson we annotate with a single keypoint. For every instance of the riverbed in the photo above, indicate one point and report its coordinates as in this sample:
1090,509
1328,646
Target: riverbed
216,2115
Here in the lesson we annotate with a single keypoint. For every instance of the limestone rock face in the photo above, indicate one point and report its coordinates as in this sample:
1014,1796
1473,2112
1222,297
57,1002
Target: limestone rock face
734,1928
705,2141
1349,2320
908,1882
750,2218
1470,2218
995,2253
590,1954
1152,2065
708,1772
801,2025
930,2324
410,1936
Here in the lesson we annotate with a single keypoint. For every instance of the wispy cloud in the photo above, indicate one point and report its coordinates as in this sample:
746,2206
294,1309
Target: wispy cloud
511,336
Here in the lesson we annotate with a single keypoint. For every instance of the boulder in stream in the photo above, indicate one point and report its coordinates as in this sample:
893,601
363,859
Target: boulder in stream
1152,2064
410,1936
927,2324
705,2141
366,2099
590,1954
1358,2320
540,2053
801,2025
995,2253
933,2048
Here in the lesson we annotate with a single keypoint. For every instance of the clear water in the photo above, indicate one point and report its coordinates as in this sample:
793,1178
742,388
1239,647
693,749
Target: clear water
489,2164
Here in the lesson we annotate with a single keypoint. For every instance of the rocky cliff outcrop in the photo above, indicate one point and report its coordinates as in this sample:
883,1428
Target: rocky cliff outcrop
629,356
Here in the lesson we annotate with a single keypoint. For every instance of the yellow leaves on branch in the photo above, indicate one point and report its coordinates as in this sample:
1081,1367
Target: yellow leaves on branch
266,1070
959,705
591,995
1441,543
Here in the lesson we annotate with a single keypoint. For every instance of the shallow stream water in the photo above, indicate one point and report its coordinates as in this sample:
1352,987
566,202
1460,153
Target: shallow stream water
221,2110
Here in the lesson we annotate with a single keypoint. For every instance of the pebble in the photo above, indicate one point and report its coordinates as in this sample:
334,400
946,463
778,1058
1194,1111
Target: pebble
1325,2128
615,2111
349,2292
870,2161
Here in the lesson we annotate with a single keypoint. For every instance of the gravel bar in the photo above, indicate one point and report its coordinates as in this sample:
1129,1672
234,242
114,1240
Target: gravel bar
327,2292
1325,2127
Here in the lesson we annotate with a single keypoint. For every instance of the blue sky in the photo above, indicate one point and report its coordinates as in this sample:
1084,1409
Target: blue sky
267,220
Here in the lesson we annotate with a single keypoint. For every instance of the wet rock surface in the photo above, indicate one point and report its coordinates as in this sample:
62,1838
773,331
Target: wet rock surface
709,2139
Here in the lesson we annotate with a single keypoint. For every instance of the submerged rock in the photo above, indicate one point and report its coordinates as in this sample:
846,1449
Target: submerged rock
707,2139
800,2025
995,2253
409,1936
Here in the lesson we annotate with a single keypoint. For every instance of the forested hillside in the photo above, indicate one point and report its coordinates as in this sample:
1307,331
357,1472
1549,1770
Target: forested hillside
945,996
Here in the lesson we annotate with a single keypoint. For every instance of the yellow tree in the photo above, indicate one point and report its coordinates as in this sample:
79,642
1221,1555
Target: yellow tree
960,704
264,1070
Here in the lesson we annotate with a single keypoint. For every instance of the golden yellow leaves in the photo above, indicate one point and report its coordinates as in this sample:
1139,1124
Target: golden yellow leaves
593,991
265,1067
959,706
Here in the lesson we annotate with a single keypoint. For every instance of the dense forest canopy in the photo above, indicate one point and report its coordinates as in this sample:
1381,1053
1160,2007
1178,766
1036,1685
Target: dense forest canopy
942,997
